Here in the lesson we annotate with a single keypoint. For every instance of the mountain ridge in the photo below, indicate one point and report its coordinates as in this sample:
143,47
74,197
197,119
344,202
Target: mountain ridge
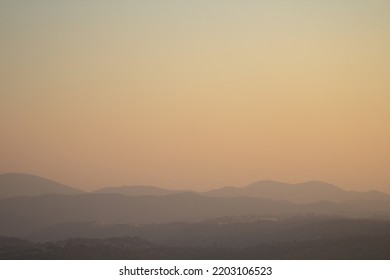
20,184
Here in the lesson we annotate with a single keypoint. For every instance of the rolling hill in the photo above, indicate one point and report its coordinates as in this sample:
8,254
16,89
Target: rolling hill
307,192
19,184
23,215
139,190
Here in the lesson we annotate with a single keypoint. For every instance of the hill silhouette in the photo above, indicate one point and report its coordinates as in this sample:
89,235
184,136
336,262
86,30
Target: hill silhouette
307,192
23,215
276,218
139,190
20,215
19,184
134,248
226,232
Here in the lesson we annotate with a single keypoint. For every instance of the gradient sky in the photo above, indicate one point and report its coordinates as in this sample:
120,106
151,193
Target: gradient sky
196,94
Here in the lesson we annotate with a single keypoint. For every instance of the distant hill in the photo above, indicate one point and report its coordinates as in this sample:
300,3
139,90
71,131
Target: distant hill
139,190
18,184
23,215
228,231
308,192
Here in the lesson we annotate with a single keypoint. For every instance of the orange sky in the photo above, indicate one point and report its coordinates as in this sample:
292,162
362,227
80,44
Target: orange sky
196,94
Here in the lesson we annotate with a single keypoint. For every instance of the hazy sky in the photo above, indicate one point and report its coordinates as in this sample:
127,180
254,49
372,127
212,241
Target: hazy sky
196,94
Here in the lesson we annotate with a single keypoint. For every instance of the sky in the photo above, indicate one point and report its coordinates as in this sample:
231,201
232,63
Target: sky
196,94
